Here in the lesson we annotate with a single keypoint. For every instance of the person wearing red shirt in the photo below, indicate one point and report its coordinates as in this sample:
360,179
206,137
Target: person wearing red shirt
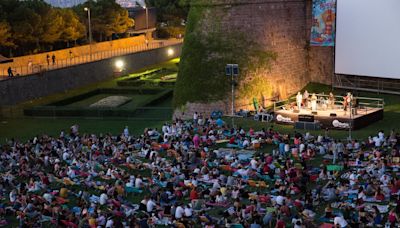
280,223
232,140
193,194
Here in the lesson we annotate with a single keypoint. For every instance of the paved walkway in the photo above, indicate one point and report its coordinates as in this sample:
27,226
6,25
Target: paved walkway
29,69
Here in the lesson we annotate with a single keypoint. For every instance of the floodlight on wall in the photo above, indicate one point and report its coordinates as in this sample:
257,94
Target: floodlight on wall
170,52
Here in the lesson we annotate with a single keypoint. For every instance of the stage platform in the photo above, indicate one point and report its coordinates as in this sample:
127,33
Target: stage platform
327,119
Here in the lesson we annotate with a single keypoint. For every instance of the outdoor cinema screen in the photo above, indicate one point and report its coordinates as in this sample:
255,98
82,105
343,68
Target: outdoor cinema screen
368,38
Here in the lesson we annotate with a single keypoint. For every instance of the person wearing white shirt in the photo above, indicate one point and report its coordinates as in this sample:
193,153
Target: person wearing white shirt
103,199
381,136
164,128
253,163
196,170
109,223
216,184
235,193
150,205
131,182
220,198
188,211
377,141
246,143
361,195
302,147
71,173
65,156
138,182
280,200
243,172
179,212
353,179
322,150
48,197
297,222
340,221
126,132
385,179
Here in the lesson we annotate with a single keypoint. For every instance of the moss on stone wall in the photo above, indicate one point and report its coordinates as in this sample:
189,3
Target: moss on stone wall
208,47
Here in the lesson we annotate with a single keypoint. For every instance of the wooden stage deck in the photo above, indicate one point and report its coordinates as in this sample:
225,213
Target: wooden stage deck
362,118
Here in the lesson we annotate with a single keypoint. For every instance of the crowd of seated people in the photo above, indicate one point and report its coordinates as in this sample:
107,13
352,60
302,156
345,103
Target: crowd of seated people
199,172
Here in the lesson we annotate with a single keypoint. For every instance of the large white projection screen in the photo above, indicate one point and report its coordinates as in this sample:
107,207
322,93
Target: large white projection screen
368,38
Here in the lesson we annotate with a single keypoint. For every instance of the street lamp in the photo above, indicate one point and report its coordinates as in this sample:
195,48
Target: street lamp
232,70
147,16
170,52
90,32
351,118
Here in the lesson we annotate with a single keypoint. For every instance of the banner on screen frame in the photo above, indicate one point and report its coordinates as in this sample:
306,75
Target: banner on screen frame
323,23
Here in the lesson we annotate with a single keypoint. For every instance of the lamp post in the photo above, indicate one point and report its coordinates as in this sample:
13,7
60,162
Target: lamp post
232,70
90,32
351,119
147,16
147,24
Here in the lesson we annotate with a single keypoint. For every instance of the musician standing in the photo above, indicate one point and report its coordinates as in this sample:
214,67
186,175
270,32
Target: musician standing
331,100
314,102
299,99
305,99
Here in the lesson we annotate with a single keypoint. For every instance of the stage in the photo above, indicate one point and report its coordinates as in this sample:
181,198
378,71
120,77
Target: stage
331,118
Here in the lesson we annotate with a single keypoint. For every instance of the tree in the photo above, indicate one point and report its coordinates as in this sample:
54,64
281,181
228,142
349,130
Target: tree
52,25
26,25
121,22
107,18
171,12
73,28
5,35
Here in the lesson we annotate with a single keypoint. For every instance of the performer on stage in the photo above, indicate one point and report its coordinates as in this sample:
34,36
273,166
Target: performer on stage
305,99
331,101
314,102
346,101
323,103
299,99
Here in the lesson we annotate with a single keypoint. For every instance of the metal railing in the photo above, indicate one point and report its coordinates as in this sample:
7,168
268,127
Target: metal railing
368,84
76,60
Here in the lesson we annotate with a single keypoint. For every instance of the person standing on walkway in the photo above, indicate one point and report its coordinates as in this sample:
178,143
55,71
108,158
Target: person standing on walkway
10,72
30,64
48,59
54,59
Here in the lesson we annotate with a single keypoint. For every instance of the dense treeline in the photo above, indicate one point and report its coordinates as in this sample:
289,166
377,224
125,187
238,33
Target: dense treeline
33,26
171,15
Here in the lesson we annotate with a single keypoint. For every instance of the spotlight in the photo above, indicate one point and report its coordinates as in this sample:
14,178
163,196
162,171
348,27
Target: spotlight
170,51
119,64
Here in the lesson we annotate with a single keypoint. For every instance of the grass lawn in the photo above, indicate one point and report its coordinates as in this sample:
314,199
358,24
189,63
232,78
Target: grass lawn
25,127
16,125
